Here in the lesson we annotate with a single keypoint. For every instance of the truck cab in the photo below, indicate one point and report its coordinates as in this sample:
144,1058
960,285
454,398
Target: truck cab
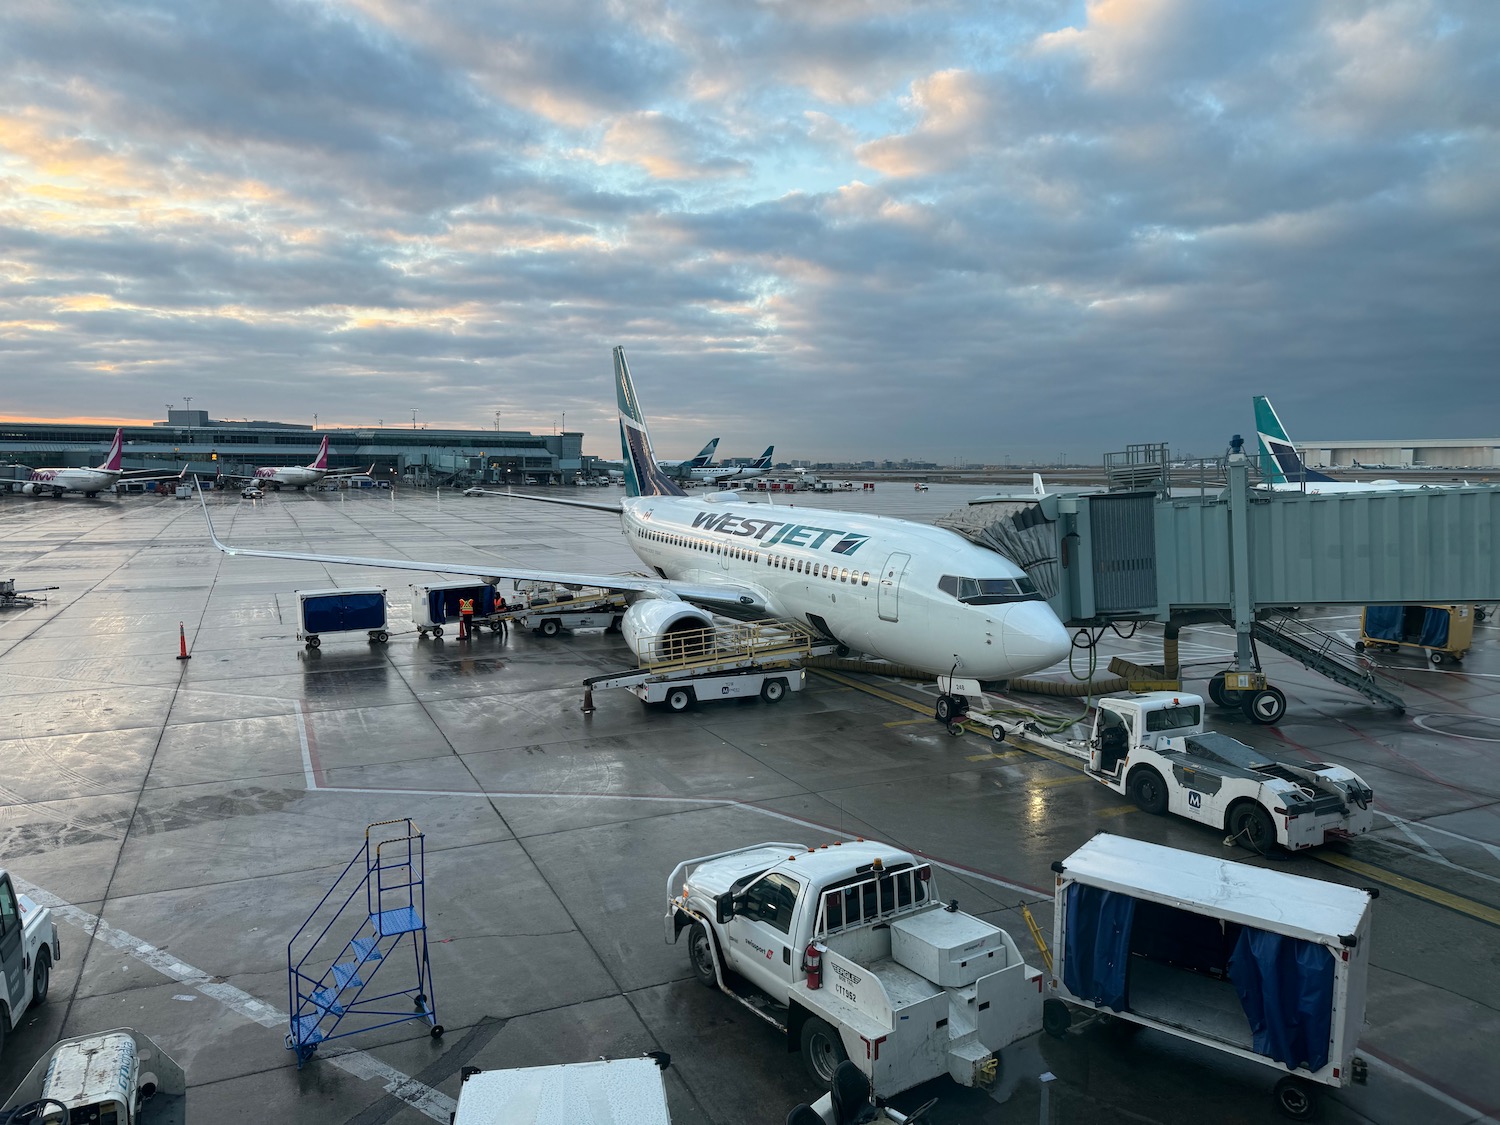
29,947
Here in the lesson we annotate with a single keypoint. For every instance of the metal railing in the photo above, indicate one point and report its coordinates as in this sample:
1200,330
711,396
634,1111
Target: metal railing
701,648
883,895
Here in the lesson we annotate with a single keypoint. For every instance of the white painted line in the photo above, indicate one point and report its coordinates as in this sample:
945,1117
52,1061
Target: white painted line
307,766
1472,1116
432,1103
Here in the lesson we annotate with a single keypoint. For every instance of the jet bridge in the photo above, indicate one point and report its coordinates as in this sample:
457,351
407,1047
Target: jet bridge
1245,556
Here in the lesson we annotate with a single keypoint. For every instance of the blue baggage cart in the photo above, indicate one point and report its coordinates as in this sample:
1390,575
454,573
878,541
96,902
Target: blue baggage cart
341,611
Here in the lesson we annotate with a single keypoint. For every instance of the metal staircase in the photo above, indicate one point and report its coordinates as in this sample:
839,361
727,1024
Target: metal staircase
1328,655
385,897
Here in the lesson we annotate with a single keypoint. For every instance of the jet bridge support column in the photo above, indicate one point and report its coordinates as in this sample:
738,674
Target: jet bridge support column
1246,682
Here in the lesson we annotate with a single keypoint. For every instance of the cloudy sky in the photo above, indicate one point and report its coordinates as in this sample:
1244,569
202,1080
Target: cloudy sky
850,227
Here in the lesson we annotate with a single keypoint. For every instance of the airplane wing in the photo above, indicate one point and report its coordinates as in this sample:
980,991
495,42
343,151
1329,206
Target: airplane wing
613,509
726,594
152,474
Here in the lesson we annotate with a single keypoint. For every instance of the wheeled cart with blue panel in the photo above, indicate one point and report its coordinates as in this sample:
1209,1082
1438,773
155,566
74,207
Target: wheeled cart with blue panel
436,604
359,609
1260,964
1442,632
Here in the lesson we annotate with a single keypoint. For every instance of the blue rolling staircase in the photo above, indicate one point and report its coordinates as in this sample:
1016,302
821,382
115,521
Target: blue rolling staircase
333,994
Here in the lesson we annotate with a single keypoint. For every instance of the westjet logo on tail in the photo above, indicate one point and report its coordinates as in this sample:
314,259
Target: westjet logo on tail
768,533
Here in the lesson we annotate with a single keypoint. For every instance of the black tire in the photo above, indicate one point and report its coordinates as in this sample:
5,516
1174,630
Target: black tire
314,642
494,626
1296,1099
679,699
1216,690
1267,707
944,709
701,955
437,630
1437,658
822,1051
437,1031
1148,790
380,636
1252,827
773,691
41,977
1056,1019
1359,646
551,627
997,732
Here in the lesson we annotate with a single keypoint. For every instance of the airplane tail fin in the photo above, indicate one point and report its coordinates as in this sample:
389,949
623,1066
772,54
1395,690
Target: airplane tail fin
642,475
705,456
1038,489
764,460
1280,463
321,460
116,452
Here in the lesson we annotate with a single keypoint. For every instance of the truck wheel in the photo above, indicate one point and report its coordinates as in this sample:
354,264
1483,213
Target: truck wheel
773,691
1148,790
1252,827
41,977
679,699
1216,689
1266,707
701,955
551,627
822,1051
1295,1098
1056,1019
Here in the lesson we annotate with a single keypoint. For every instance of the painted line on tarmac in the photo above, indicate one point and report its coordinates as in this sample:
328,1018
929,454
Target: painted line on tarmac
1475,1114
426,1100
1435,895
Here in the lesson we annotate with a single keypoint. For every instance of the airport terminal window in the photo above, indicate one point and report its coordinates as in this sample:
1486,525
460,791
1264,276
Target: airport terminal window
989,591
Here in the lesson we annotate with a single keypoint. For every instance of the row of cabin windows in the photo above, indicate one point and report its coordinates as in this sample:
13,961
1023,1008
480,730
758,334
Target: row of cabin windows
781,562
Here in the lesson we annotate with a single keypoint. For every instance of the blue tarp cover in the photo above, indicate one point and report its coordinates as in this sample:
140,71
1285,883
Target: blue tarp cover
1098,950
1286,987
337,613
1435,628
442,605
1383,622
1389,623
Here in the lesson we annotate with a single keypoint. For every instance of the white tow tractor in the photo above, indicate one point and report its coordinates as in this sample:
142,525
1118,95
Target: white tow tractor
849,952
102,1079
1152,748
29,947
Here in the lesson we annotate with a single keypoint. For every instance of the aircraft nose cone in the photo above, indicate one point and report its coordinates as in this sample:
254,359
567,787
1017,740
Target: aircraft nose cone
1033,637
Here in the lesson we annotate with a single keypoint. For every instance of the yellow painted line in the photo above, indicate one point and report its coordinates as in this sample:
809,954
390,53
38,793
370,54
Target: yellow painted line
908,722
1052,782
1435,895
1000,757
1117,810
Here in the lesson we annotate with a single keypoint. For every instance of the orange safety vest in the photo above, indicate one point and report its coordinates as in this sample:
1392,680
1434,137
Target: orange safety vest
466,607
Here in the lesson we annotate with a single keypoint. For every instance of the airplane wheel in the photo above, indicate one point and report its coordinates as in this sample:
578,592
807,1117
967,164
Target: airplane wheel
1266,707
1216,689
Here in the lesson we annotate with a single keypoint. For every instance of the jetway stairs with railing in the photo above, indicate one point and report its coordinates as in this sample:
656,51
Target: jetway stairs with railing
331,972
1327,654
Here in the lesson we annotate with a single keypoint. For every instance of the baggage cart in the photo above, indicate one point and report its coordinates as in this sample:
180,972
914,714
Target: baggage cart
435,605
1260,964
1441,632
352,610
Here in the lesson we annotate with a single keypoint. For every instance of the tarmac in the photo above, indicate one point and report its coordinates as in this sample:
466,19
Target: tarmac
185,817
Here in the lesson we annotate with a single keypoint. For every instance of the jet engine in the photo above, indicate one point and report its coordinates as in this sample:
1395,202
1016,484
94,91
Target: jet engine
31,489
662,628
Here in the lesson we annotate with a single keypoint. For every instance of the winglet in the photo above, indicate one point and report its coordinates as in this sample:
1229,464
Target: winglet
209,520
643,477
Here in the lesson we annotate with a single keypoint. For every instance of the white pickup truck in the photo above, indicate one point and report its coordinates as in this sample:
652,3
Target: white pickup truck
28,948
1152,747
848,950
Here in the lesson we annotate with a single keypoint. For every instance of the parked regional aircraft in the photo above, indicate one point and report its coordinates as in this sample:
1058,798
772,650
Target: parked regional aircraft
704,458
1283,470
721,474
909,592
300,476
93,481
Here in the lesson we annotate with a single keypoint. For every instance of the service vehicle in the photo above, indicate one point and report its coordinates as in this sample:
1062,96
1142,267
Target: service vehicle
604,1092
1153,748
252,492
551,611
103,1079
1257,963
29,947
849,952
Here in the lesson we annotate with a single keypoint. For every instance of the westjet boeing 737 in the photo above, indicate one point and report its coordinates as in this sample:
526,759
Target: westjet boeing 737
724,473
1283,470
909,592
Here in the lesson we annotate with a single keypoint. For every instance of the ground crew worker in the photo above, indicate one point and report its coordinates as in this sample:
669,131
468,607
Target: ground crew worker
500,610
465,617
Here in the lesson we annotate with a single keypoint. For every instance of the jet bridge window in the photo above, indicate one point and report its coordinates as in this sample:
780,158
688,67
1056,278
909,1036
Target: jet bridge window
989,591
773,901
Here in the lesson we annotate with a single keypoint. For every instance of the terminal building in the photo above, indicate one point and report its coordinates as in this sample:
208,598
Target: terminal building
1431,453
416,457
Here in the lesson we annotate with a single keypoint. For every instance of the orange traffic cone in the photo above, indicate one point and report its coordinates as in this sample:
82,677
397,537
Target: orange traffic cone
182,652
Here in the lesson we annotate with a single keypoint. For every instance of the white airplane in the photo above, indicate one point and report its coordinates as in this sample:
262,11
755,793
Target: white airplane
300,476
1283,470
909,592
721,474
93,481
704,458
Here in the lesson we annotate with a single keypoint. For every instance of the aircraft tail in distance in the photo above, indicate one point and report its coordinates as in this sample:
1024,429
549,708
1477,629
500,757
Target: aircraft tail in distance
321,460
764,460
1280,463
643,477
116,451
705,455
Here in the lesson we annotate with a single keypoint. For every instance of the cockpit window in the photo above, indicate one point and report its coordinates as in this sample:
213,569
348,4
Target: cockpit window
989,591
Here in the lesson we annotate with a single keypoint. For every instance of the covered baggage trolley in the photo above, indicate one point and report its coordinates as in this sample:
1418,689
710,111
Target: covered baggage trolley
436,604
341,611
1261,964
1443,632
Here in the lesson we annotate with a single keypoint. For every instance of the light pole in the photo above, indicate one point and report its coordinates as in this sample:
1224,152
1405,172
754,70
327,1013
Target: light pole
497,421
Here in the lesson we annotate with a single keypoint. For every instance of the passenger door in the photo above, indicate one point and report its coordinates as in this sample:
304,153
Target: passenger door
760,935
12,959
888,600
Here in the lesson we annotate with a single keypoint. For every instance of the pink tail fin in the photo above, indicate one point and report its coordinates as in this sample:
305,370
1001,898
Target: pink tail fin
116,449
321,460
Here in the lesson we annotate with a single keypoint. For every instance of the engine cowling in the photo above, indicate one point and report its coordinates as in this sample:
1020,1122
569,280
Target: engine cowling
31,489
659,628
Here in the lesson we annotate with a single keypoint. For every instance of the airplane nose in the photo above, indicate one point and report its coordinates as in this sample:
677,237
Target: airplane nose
1033,637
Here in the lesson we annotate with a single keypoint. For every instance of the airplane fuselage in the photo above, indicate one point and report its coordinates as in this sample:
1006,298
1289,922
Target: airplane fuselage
295,476
58,481
871,582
